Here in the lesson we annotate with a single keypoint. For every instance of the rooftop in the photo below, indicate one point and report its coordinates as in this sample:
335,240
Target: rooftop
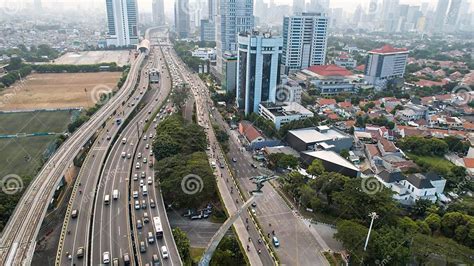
388,49
330,70
332,157
311,135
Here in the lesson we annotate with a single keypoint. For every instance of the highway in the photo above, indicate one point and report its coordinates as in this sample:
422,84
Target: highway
19,236
111,225
232,200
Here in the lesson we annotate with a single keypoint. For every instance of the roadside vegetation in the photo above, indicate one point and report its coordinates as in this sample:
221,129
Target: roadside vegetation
420,234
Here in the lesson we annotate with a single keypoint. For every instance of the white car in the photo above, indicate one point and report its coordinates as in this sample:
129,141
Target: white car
124,154
106,257
150,180
142,183
139,155
147,146
144,160
137,166
135,177
135,194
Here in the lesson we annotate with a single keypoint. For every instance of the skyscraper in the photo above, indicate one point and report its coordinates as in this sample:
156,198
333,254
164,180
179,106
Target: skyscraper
122,22
298,6
212,5
181,18
233,17
158,9
453,12
440,14
258,70
304,40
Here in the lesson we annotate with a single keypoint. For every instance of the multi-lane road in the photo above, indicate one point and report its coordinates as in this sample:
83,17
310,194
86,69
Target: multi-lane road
19,235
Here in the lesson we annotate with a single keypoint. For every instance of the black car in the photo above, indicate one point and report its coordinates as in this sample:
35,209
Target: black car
254,204
253,165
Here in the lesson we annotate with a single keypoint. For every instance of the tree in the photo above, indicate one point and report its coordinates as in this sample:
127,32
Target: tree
228,253
183,245
420,207
283,161
434,222
344,153
352,235
316,168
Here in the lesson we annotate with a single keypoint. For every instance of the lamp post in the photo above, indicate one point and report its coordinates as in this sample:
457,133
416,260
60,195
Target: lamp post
374,216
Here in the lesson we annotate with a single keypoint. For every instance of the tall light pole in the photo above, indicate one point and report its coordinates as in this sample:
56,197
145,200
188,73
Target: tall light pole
374,216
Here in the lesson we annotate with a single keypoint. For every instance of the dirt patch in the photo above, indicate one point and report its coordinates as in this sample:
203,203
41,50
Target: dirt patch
52,91
121,57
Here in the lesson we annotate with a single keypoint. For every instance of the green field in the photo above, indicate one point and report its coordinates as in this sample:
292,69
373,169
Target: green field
24,156
33,122
438,164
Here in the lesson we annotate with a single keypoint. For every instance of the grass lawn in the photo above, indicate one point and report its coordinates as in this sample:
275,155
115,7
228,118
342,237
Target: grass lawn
33,122
196,253
23,156
438,164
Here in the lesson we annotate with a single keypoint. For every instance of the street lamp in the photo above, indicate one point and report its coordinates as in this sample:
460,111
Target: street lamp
374,216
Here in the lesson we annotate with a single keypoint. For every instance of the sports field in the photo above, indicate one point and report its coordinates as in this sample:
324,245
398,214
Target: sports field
23,155
121,57
63,90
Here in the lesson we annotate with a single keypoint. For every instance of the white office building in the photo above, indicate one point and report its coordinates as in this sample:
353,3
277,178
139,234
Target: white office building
258,70
233,17
385,64
304,41
122,22
283,113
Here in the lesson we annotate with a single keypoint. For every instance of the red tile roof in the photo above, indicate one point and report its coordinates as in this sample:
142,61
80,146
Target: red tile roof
324,101
469,162
330,70
345,104
360,68
250,132
388,49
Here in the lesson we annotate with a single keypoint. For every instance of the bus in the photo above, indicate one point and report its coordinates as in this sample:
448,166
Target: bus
158,227
145,190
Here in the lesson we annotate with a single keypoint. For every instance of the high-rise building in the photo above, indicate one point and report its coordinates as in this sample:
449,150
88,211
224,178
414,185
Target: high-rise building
258,72
440,14
298,6
212,5
122,22
233,17
357,16
158,10
208,30
318,6
385,64
453,12
304,40
181,18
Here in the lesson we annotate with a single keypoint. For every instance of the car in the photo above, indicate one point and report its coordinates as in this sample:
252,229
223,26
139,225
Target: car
144,137
139,224
141,183
151,135
106,257
129,156
108,137
143,175
152,204
253,165
143,204
196,217
135,194
137,205
80,252
150,180
137,166
74,213
126,259
139,155
142,247
144,160
164,252
275,241
151,238
156,260
221,165
124,154
145,218
135,177
150,164
147,146
115,262
234,160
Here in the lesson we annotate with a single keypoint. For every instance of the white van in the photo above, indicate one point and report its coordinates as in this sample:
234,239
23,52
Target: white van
106,257
164,252
107,199
115,194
